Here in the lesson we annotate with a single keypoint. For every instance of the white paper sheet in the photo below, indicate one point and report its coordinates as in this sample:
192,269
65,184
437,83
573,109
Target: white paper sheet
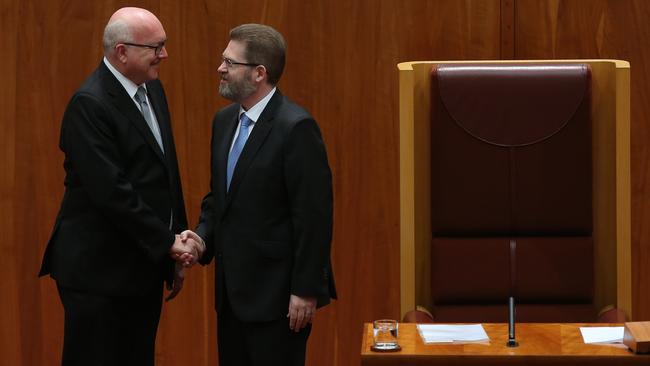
602,334
448,333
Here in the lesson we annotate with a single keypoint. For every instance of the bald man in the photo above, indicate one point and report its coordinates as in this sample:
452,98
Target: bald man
115,238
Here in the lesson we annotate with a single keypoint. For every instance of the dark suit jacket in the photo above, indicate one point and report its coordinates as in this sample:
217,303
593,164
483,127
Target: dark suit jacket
112,235
271,232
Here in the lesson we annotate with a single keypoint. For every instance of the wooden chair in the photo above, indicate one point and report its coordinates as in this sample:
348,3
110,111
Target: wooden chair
515,182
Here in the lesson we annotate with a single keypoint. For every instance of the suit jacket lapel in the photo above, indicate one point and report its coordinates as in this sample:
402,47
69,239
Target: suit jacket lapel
126,106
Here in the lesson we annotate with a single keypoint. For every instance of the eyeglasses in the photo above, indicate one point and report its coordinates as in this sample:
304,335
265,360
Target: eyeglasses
156,47
230,63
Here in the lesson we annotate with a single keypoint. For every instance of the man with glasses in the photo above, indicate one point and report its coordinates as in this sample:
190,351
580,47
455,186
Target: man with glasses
267,220
114,239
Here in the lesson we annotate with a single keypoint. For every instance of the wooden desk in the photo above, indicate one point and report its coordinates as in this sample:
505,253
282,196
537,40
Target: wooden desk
539,344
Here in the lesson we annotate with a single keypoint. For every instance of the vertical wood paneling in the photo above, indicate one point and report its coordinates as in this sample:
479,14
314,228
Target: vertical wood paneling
604,29
187,333
10,340
507,29
341,66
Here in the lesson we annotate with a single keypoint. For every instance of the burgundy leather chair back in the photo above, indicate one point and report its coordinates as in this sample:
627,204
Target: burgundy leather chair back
512,192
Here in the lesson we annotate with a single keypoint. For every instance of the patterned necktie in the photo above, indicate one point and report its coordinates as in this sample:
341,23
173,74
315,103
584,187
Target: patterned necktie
238,146
141,98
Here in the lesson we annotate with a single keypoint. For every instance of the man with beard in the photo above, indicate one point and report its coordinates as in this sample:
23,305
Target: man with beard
115,233
267,220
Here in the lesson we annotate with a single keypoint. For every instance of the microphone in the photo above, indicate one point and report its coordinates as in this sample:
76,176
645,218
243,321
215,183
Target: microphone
511,323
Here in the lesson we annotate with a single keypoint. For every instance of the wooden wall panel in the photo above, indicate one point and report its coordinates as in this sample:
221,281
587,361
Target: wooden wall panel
604,29
10,340
43,78
341,66
342,58
341,63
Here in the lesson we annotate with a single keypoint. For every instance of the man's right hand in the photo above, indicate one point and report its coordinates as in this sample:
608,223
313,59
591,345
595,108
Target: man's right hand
186,252
189,236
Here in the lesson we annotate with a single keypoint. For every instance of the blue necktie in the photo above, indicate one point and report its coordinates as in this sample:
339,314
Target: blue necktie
238,146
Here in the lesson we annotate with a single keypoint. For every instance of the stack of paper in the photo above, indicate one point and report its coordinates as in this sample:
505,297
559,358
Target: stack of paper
602,334
447,333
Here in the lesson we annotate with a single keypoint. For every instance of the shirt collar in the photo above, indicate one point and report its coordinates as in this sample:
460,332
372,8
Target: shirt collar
128,85
255,111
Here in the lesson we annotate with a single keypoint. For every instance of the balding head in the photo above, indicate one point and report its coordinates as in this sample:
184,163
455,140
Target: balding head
134,43
129,25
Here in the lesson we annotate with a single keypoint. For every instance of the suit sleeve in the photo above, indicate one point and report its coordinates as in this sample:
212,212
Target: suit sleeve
205,226
207,220
91,145
309,186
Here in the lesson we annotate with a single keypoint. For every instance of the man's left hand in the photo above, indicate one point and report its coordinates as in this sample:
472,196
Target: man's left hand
301,311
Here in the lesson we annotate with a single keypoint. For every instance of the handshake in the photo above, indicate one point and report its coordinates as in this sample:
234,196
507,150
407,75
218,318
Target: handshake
187,248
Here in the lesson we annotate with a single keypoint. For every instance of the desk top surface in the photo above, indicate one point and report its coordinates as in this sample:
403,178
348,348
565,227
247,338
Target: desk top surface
536,340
